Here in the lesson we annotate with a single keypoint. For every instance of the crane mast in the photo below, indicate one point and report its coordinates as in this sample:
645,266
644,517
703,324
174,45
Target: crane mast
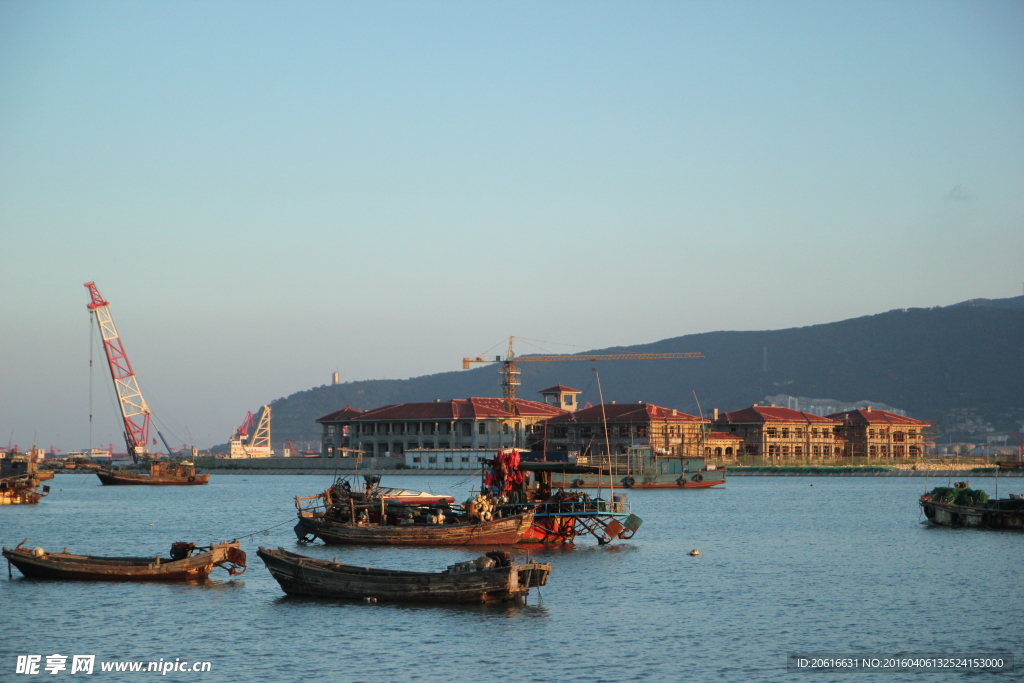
510,373
134,409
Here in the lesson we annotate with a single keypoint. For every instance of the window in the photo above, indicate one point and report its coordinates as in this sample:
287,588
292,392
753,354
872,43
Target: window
446,428
912,433
872,451
798,432
568,399
785,450
914,451
467,429
798,451
814,431
504,428
898,436
817,450
465,458
432,459
885,451
770,431
785,432
447,459
871,433
415,460
728,450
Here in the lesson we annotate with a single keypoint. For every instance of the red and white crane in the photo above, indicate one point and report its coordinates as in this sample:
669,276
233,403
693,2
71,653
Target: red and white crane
134,410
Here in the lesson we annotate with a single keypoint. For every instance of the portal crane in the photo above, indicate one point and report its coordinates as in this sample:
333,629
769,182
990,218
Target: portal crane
510,373
134,409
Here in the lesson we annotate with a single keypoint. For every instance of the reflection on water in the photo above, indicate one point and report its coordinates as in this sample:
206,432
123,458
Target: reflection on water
785,567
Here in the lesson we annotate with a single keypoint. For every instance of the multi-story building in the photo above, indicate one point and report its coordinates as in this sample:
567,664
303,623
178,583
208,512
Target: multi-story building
781,433
881,434
477,423
582,432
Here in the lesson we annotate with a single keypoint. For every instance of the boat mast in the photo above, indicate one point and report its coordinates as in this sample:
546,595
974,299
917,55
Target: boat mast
134,410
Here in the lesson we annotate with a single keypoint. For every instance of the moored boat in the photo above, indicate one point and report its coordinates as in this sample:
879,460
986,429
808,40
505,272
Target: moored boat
640,468
493,577
187,562
963,507
503,531
160,474
378,515
20,482
513,487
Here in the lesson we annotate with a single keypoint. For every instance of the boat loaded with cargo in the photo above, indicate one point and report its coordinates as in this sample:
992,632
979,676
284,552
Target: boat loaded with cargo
962,506
20,481
378,515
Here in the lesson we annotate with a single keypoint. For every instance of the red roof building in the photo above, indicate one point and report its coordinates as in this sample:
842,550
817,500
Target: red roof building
881,434
665,430
781,433
478,423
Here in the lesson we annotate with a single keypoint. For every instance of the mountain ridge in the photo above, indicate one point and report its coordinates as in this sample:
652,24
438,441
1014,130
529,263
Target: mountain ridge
931,362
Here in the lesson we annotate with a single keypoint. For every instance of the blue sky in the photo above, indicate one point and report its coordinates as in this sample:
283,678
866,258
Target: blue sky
267,192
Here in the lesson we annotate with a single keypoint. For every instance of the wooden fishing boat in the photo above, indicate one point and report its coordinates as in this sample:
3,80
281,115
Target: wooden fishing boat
513,486
187,562
962,507
19,482
160,474
493,577
503,531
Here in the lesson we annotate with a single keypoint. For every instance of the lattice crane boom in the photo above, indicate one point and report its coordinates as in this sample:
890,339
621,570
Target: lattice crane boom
134,410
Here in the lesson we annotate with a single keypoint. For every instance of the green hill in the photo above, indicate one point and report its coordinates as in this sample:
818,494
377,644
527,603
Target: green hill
928,362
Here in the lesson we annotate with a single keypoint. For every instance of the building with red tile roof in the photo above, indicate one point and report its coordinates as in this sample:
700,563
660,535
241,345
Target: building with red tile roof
459,423
881,434
781,433
667,431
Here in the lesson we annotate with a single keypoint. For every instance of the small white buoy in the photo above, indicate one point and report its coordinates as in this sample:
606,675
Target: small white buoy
152,524
694,552
370,600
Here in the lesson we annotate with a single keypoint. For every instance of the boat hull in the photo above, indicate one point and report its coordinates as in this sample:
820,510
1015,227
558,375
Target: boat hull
504,531
67,566
1000,514
115,478
21,491
687,480
307,576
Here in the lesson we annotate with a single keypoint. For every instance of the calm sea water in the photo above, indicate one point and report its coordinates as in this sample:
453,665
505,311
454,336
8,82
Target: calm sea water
787,565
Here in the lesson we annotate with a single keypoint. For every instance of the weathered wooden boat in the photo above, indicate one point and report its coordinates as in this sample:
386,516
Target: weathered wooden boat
493,577
512,487
160,474
20,482
962,507
640,468
379,515
503,531
187,562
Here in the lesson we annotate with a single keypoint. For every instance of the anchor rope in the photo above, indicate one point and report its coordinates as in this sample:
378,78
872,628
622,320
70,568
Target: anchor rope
264,531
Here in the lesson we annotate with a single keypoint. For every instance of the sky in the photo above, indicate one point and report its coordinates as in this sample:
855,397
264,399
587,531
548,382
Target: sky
267,193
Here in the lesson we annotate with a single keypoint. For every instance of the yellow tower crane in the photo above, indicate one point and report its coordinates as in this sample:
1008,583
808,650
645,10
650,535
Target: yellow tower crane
510,373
